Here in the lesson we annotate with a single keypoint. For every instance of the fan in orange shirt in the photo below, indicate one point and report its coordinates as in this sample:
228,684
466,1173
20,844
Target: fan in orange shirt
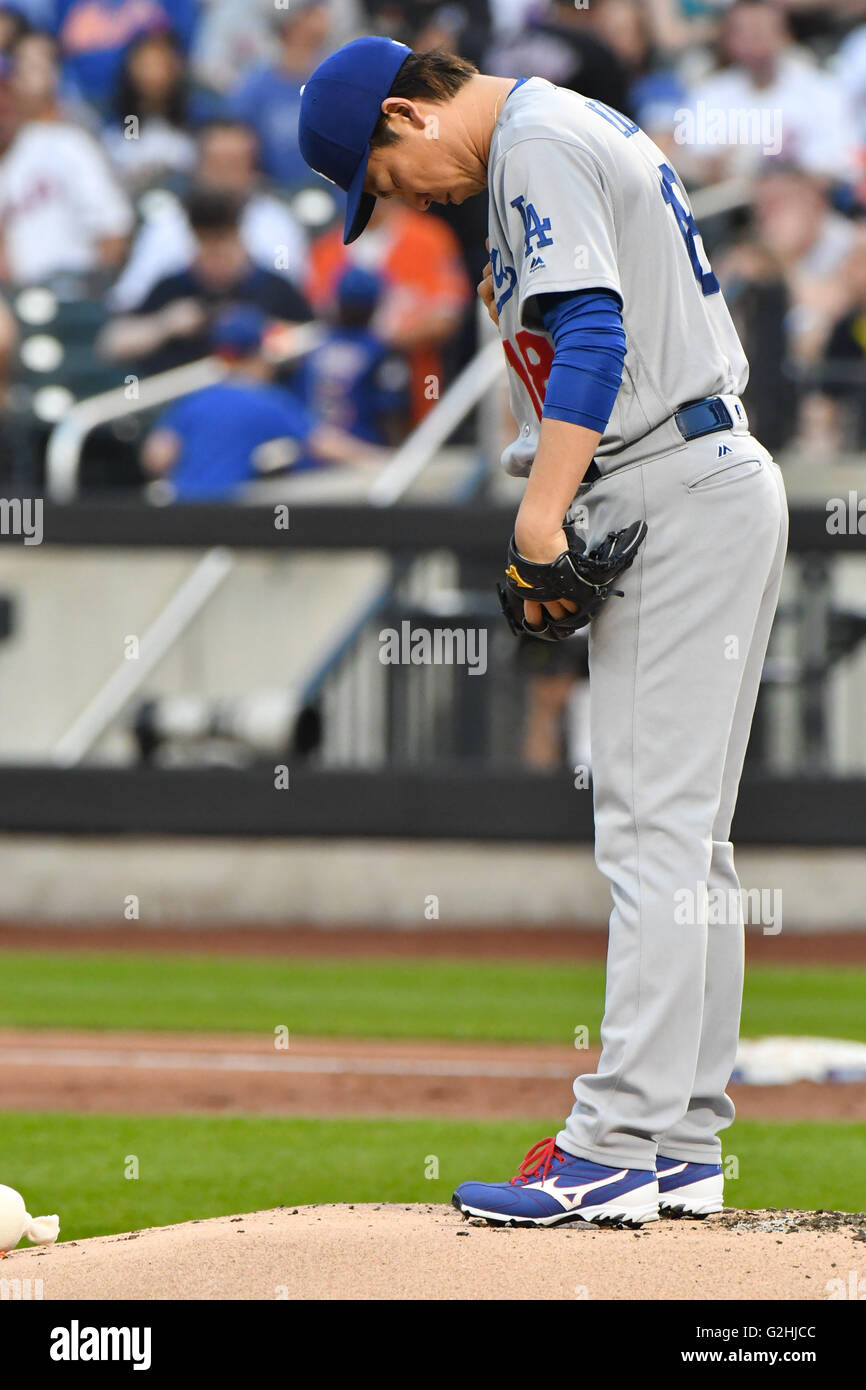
427,288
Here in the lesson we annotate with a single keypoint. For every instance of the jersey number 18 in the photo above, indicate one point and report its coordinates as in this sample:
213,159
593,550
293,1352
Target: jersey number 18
674,197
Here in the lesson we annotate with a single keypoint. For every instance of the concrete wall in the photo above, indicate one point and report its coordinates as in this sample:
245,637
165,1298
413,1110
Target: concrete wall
376,883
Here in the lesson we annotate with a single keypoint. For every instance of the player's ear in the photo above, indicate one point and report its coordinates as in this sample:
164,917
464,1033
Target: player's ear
402,109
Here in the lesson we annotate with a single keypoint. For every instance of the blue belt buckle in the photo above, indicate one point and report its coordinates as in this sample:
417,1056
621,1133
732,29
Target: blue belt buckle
703,417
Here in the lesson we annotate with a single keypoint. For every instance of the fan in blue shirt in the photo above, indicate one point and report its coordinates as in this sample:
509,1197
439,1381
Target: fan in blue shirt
353,379
209,444
269,98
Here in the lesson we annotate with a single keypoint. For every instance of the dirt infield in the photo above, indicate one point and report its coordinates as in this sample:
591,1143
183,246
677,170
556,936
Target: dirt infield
161,1073
429,1252
566,943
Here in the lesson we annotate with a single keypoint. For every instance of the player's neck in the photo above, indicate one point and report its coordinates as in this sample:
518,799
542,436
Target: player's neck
482,100
764,75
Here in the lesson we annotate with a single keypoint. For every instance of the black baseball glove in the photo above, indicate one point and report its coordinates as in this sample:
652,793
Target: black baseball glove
586,578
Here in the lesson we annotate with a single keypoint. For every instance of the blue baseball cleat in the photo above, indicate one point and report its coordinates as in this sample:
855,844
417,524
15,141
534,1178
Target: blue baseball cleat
689,1189
552,1186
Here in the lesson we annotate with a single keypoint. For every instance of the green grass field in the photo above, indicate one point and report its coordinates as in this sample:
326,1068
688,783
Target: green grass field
196,1166
517,1000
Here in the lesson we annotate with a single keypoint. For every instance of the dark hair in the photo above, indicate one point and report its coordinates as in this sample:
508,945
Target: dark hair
757,5
211,210
26,34
20,27
353,315
215,124
127,98
431,76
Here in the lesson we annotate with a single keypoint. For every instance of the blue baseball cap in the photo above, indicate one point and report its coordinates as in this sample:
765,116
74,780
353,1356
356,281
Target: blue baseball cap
340,105
357,286
238,331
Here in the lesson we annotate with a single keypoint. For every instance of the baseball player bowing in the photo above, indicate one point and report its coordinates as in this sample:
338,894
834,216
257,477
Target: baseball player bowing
625,372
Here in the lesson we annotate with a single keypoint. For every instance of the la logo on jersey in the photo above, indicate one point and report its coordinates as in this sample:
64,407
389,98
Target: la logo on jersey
535,228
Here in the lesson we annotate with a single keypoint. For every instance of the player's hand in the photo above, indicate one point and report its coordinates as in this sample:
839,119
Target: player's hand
485,291
542,548
182,317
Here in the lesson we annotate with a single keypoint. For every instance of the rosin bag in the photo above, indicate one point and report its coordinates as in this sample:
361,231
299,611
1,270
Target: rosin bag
16,1221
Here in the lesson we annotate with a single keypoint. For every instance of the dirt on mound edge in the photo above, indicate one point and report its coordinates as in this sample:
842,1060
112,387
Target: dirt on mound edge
429,1252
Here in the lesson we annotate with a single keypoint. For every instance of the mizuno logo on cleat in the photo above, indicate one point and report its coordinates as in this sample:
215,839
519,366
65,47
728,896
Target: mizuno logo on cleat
574,1193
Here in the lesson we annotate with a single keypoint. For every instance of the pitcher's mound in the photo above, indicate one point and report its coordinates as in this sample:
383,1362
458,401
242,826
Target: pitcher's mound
430,1252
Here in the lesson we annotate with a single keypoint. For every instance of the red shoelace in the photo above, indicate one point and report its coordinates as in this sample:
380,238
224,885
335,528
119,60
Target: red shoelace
538,1160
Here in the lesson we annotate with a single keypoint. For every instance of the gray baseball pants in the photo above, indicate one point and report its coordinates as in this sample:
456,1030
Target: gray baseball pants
674,672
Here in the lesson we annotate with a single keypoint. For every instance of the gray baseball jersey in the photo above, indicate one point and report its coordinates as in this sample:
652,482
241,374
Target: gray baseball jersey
581,198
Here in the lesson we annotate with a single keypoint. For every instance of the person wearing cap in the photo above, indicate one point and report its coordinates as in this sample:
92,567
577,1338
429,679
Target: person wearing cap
625,373
352,378
425,295
207,446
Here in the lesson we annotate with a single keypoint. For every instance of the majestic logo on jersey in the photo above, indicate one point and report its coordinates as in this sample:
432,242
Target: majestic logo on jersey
535,228
724,449
536,264
511,573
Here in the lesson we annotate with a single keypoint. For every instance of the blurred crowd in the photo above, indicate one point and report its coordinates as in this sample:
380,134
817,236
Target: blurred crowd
150,167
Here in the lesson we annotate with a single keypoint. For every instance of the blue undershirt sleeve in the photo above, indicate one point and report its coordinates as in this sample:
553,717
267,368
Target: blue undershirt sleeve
589,341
